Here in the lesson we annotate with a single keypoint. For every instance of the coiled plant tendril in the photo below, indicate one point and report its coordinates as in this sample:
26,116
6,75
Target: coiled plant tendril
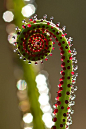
34,43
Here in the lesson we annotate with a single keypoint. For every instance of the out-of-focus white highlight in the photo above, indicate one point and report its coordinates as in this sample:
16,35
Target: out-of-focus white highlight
26,0
43,99
21,85
28,128
46,108
11,39
43,88
8,16
47,118
40,79
28,10
28,118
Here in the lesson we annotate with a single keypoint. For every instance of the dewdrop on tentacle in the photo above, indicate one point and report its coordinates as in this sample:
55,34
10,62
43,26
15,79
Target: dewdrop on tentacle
34,43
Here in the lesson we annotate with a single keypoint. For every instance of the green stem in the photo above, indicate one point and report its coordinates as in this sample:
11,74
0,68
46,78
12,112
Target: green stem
18,5
33,96
29,74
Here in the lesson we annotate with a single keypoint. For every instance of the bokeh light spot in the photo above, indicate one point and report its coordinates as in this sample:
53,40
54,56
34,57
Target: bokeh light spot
43,99
8,16
11,39
28,10
40,79
28,128
28,118
10,28
21,85
47,118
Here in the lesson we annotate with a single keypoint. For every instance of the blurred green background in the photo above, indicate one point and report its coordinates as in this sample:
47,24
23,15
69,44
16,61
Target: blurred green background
70,13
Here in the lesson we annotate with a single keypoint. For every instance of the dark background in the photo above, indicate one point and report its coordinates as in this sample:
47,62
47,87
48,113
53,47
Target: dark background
71,13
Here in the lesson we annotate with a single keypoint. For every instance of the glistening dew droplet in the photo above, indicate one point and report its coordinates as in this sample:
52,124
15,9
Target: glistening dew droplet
35,43
51,18
72,103
45,16
73,96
